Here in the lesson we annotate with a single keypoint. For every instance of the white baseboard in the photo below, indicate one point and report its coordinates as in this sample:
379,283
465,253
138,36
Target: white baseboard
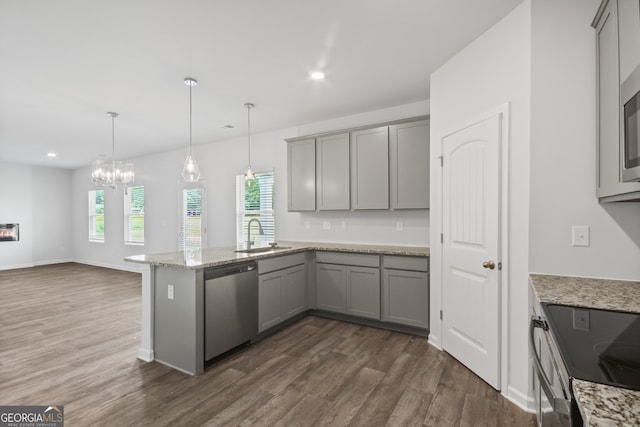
53,261
145,354
14,266
133,269
522,400
435,341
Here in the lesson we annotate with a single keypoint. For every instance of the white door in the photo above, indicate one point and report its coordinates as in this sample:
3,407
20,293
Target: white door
471,252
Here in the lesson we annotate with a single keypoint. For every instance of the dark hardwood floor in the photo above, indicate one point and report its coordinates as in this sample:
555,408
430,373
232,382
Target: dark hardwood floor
69,335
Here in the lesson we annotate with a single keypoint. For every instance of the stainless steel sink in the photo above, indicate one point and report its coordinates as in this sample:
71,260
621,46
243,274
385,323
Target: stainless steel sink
262,249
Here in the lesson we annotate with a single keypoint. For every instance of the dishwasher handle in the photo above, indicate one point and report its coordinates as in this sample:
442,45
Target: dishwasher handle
214,273
558,404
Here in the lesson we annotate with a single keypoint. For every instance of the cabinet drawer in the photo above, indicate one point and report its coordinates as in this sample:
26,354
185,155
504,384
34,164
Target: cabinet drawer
360,260
278,263
406,263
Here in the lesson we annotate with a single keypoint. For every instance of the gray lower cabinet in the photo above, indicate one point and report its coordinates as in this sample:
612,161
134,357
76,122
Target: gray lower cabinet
405,291
342,287
331,287
281,293
363,292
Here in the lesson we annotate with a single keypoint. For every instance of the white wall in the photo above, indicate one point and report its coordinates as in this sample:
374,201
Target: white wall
220,163
563,135
38,198
492,70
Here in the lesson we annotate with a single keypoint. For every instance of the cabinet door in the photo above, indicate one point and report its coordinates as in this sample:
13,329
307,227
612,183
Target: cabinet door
608,155
270,311
629,36
332,162
301,175
370,168
294,291
409,165
363,292
405,297
331,287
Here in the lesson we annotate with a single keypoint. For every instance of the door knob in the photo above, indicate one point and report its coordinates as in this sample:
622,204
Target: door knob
489,264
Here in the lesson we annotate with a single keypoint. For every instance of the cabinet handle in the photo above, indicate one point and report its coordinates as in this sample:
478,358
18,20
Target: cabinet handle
489,264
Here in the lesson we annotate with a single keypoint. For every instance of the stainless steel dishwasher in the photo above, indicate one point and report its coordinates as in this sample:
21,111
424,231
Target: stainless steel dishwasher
231,307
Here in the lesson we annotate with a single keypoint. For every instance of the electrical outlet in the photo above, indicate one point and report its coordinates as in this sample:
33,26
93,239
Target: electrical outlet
344,225
170,292
326,225
580,235
399,225
307,224
580,319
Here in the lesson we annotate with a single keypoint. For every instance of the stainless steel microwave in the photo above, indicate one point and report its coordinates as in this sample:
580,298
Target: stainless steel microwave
630,132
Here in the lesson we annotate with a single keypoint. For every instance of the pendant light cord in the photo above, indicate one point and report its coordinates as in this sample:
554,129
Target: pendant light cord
190,115
249,130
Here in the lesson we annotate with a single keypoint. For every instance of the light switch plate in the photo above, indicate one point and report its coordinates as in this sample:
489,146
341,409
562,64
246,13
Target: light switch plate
580,235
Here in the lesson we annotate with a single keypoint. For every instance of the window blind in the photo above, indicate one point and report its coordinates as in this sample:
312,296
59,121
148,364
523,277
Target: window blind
134,216
192,219
96,216
254,200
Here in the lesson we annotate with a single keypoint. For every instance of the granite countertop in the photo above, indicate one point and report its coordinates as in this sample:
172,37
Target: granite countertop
584,292
222,256
605,405
599,404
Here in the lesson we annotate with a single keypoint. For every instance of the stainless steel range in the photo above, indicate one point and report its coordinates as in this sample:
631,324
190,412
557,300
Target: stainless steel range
600,346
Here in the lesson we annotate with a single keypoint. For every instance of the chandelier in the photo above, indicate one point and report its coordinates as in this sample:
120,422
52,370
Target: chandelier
112,173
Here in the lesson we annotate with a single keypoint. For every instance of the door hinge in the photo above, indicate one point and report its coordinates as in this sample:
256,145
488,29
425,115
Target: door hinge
441,237
440,314
441,160
499,266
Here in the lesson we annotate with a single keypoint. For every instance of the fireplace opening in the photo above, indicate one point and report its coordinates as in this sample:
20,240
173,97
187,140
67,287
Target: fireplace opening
9,232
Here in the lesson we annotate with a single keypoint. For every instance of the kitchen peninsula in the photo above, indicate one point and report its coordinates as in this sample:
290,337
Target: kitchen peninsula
386,286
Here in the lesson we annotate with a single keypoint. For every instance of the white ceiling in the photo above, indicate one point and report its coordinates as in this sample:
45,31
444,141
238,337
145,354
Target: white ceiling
65,63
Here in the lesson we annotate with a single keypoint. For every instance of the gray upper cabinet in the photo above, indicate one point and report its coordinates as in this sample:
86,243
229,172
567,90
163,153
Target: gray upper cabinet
301,175
332,168
370,168
365,168
612,67
409,165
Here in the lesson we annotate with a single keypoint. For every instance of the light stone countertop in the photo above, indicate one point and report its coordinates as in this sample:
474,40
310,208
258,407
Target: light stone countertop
605,294
223,256
605,405
599,404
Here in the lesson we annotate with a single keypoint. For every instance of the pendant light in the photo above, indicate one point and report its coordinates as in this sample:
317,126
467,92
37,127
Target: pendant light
115,173
190,171
249,175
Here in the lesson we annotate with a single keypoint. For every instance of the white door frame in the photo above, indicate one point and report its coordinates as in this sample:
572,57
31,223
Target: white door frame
437,267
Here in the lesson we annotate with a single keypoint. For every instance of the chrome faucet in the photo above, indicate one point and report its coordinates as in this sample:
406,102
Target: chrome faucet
260,230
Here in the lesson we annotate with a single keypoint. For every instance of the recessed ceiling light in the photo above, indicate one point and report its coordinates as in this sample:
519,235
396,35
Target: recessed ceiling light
317,75
228,126
52,154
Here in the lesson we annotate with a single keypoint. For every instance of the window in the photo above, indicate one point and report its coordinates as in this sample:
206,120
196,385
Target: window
192,219
134,216
96,215
254,200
